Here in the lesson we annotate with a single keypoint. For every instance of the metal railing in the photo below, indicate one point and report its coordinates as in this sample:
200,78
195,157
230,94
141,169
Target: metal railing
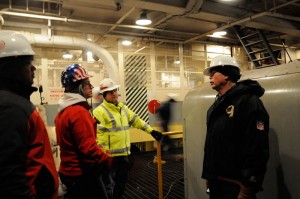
159,165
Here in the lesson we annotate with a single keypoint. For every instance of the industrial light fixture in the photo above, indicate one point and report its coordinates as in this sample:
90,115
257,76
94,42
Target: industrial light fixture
176,61
143,20
67,55
219,33
126,42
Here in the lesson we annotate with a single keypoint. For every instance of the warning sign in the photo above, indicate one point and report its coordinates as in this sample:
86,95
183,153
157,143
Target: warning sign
55,95
153,105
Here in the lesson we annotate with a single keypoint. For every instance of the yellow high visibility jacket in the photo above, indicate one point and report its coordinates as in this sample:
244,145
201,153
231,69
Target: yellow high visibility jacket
113,128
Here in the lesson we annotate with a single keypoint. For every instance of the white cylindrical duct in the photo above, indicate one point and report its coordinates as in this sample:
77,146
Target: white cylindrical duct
100,52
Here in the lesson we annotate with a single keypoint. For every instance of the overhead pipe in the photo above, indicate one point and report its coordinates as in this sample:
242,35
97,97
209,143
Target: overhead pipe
65,19
193,7
100,52
230,24
292,18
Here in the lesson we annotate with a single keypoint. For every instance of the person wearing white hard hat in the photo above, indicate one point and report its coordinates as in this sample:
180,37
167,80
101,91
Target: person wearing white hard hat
113,135
81,157
27,167
236,147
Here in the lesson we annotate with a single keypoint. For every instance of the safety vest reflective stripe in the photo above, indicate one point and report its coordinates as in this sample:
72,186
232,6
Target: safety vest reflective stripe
110,116
145,126
115,151
125,111
114,130
114,127
133,119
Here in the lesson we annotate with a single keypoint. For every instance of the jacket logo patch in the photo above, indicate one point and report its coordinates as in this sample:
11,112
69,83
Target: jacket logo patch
230,110
260,125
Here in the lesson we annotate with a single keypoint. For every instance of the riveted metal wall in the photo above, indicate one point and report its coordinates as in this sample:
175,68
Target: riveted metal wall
135,84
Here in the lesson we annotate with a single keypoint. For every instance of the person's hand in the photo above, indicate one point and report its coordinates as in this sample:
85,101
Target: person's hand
207,187
157,135
246,193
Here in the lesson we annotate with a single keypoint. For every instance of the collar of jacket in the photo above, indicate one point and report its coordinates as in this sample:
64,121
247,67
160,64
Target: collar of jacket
69,99
111,105
21,90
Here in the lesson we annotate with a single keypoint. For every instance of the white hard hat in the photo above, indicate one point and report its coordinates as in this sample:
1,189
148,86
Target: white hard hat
14,44
107,84
221,60
172,95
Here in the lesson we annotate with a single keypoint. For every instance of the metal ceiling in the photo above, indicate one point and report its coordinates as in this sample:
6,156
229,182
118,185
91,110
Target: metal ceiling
179,21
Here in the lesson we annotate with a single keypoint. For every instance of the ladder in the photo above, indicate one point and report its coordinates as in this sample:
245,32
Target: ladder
256,46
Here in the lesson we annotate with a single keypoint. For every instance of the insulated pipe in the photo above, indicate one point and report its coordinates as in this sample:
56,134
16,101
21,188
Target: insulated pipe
100,52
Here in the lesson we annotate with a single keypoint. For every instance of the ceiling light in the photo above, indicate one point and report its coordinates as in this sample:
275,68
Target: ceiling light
219,34
126,42
143,20
67,56
177,62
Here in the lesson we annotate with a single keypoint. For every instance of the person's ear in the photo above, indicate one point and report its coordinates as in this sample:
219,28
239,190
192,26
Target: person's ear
226,77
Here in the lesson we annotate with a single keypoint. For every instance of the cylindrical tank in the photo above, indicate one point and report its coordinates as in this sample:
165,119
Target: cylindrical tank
282,101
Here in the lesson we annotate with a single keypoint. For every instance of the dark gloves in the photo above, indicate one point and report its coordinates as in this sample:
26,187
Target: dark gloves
157,135
247,193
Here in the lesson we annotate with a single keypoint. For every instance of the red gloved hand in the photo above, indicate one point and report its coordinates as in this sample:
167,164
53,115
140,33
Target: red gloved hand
246,193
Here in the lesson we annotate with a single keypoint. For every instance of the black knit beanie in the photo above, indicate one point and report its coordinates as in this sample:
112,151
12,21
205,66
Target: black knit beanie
232,72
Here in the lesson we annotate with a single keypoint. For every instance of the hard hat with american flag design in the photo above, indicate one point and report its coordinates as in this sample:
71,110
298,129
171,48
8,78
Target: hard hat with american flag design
72,74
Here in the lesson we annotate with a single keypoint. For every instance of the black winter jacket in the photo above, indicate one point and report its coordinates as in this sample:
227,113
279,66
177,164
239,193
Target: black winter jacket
27,166
236,144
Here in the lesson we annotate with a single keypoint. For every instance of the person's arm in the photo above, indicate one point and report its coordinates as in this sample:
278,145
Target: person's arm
41,169
255,151
84,131
135,121
13,151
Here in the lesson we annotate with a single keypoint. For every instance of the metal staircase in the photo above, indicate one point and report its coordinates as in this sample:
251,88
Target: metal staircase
256,46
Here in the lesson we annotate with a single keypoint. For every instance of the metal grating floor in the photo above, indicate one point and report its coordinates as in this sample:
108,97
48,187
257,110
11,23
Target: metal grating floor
142,182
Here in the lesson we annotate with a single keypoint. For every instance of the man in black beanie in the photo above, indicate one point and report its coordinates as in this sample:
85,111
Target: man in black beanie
236,148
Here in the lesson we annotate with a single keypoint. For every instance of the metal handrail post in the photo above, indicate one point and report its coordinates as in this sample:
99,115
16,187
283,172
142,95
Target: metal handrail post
159,166
159,170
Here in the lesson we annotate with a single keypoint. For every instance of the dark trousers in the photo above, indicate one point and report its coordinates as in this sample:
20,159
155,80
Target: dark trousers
166,142
220,189
115,179
85,186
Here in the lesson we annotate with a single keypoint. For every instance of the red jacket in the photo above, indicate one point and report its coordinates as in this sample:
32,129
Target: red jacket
26,162
40,157
76,136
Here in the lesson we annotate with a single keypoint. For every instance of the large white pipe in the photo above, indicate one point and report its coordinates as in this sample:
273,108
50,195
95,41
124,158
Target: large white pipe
100,52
